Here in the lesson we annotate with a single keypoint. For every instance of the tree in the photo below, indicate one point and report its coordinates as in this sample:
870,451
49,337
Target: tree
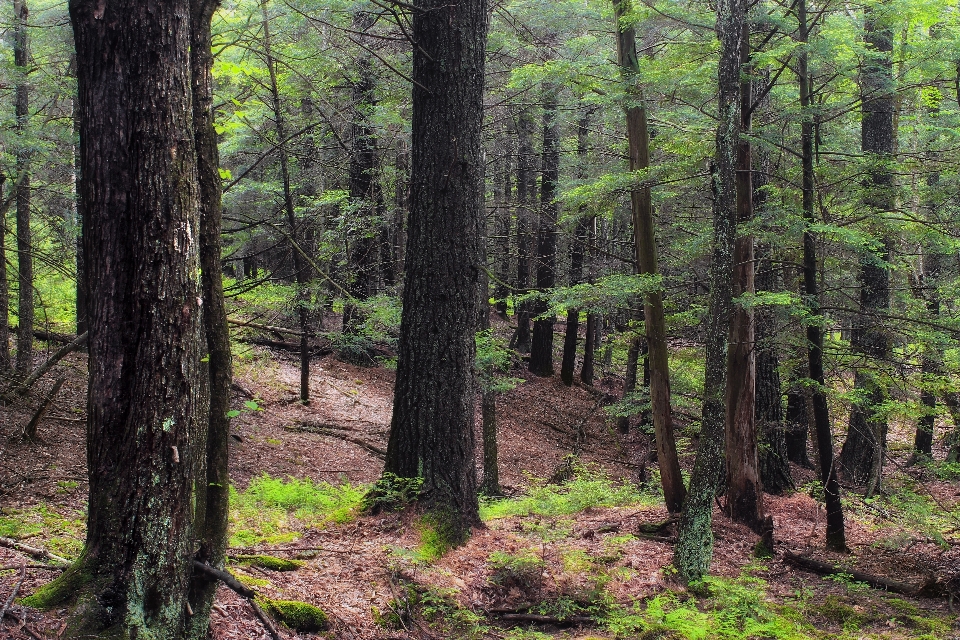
140,196
431,434
25,307
694,549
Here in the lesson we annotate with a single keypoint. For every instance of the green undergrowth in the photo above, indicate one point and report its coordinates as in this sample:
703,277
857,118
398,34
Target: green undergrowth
299,616
272,563
590,487
272,510
435,606
62,533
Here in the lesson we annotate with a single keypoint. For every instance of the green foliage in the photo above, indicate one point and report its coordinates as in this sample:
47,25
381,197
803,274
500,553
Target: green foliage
272,563
392,493
522,569
272,510
492,362
607,295
299,616
591,487
63,534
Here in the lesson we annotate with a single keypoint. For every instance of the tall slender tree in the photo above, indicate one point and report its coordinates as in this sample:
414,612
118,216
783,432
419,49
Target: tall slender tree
25,307
526,186
431,434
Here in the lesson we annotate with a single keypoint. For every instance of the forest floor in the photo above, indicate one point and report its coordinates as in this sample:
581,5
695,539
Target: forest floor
585,558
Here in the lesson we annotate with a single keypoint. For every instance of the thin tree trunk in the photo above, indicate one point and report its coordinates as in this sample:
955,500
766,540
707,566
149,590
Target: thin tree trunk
211,488
526,184
432,432
502,226
6,364
835,537
21,57
646,256
694,548
140,196
299,265
744,493
541,348
863,452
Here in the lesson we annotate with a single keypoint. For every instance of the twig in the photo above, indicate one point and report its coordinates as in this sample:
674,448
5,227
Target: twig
48,567
30,431
23,625
13,594
227,578
272,630
36,552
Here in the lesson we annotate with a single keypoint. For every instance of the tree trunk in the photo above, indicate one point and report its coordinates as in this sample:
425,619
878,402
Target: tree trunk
21,58
863,452
363,184
835,537
694,548
296,245
645,248
212,487
140,199
502,225
589,350
401,203
431,435
541,349
744,494
577,250
491,466
526,185
5,363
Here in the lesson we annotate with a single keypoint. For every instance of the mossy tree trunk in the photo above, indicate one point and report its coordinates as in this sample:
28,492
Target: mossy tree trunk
431,434
694,548
25,307
139,191
212,486
835,537
541,348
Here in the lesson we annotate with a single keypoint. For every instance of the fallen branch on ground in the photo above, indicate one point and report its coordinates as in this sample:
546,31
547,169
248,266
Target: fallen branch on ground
61,353
877,582
227,578
36,552
13,594
538,619
23,626
308,428
30,431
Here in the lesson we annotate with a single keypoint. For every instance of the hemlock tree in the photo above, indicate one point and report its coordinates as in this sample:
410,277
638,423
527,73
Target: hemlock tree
140,194
431,435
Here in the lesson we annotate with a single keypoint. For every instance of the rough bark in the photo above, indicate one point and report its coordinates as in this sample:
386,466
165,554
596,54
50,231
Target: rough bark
140,196
541,348
502,227
645,248
431,434
835,537
526,186
744,498
694,548
211,487
300,266
865,446
5,362
21,56
589,350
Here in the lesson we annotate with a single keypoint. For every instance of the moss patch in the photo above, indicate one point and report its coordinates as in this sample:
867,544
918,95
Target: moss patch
272,563
299,616
60,591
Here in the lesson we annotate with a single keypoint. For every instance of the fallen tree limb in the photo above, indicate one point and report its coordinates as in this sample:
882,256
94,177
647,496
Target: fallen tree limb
308,428
48,336
24,626
877,582
13,594
227,578
30,431
36,552
538,619
46,366
264,327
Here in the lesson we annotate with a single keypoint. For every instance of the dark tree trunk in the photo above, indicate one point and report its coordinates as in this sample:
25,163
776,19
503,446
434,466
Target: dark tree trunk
302,274
797,430
502,225
21,57
835,537
577,250
630,379
744,501
589,350
541,349
863,452
81,302
140,197
6,364
645,253
526,185
694,548
431,435
772,451
363,183
212,486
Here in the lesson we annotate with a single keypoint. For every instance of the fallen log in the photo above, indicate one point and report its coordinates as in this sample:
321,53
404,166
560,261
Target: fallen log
538,619
877,582
309,428
30,431
13,594
64,351
36,552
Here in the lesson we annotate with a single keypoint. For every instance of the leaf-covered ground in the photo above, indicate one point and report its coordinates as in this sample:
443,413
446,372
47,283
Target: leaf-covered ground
588,558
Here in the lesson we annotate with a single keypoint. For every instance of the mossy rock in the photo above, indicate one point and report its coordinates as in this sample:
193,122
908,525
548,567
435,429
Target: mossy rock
299,616
272,563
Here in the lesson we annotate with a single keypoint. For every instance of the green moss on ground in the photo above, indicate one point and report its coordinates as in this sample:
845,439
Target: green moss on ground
299,616
60,591
272,563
